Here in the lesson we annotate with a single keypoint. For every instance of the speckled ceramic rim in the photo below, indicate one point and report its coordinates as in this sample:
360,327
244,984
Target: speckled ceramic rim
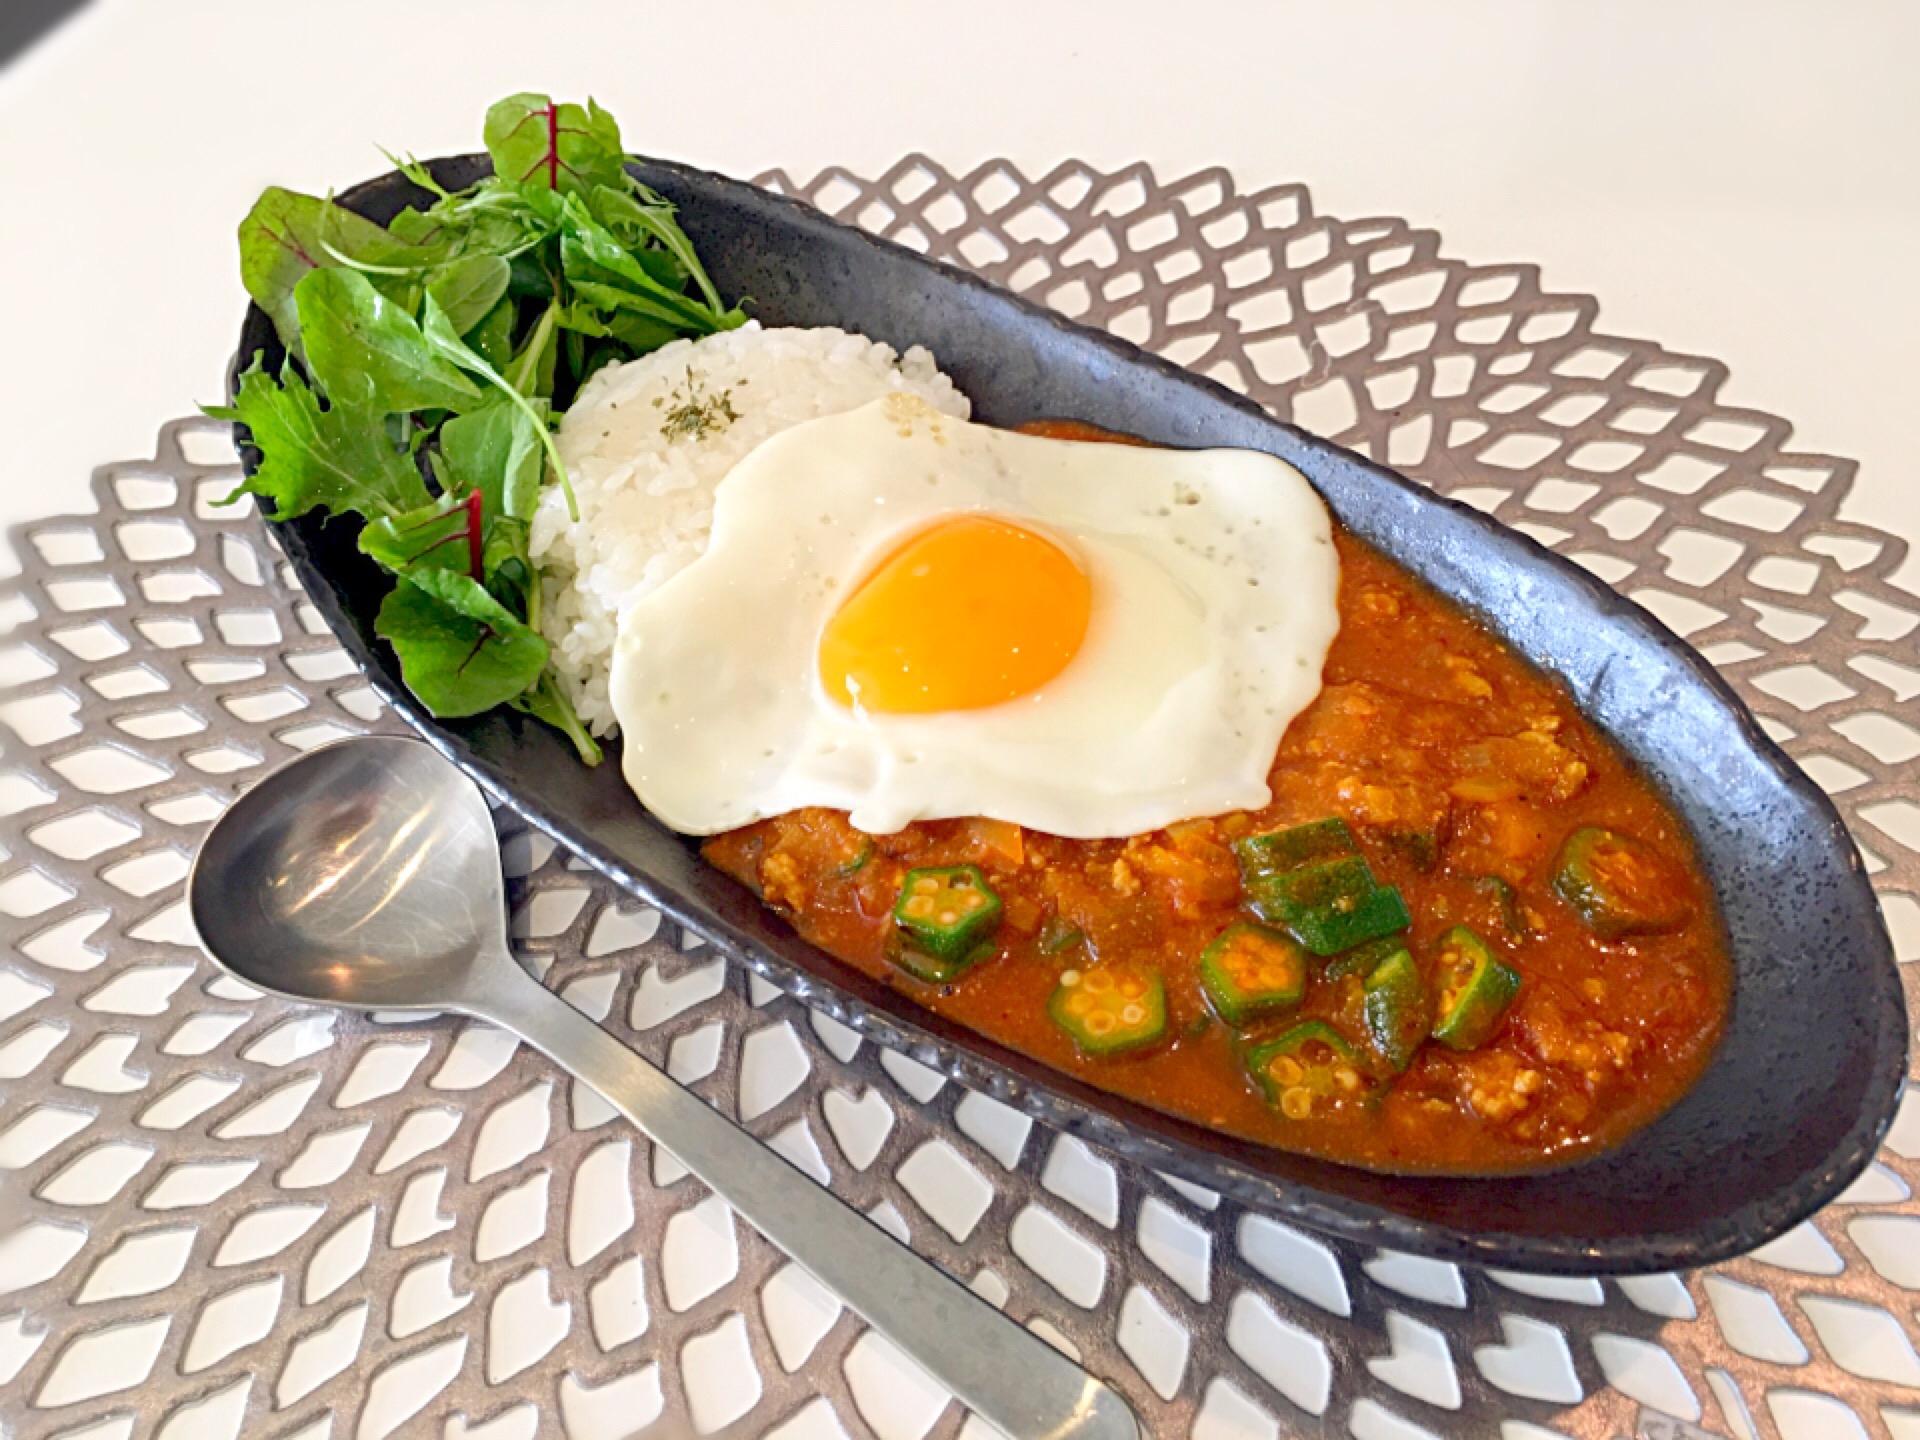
754,937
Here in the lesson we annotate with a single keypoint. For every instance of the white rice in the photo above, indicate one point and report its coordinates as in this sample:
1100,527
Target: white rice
646,498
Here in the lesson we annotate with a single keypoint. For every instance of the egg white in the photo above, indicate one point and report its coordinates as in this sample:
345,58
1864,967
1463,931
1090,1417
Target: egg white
1214,583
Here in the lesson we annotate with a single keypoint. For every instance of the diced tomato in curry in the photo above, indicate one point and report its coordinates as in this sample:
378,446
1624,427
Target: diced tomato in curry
1461,774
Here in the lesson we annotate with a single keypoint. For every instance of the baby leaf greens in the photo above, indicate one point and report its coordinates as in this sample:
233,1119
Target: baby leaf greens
461,650
311,458
426,361
566,148
369,354
288,236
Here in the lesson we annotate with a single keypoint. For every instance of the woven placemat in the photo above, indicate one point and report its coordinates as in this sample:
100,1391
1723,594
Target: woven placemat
222,1215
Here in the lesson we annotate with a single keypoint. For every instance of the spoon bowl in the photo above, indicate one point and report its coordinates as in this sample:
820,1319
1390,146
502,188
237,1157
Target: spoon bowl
364,874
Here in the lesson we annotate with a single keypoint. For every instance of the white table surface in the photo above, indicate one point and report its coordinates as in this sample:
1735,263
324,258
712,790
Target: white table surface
1739,180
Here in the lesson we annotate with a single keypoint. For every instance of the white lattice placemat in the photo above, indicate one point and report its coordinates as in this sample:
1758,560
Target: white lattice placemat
221,1215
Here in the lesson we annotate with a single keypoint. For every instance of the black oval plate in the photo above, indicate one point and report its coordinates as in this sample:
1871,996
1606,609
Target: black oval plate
1805,1081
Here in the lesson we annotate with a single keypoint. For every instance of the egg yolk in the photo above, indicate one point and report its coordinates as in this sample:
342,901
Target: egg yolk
972,612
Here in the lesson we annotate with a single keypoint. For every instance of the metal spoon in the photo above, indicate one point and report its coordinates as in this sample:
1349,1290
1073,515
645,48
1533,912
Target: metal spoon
366,874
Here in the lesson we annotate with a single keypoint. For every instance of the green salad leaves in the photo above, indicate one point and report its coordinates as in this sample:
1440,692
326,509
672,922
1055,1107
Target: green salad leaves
427,361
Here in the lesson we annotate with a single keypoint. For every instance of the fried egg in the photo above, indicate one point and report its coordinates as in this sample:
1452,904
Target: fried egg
909,617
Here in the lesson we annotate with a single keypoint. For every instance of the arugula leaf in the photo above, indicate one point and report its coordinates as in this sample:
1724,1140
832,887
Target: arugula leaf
558,147
618,298
366,351
468,289
496,451
639,333
337,459
410,166
286,236
635,222
533,367
441,338
461,651
603,271
547,702
493,336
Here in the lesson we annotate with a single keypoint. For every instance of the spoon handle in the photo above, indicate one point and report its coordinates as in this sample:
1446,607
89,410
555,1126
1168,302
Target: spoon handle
997,1368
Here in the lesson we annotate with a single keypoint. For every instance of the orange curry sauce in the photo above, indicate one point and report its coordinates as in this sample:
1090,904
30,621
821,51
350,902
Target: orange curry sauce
1427,725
